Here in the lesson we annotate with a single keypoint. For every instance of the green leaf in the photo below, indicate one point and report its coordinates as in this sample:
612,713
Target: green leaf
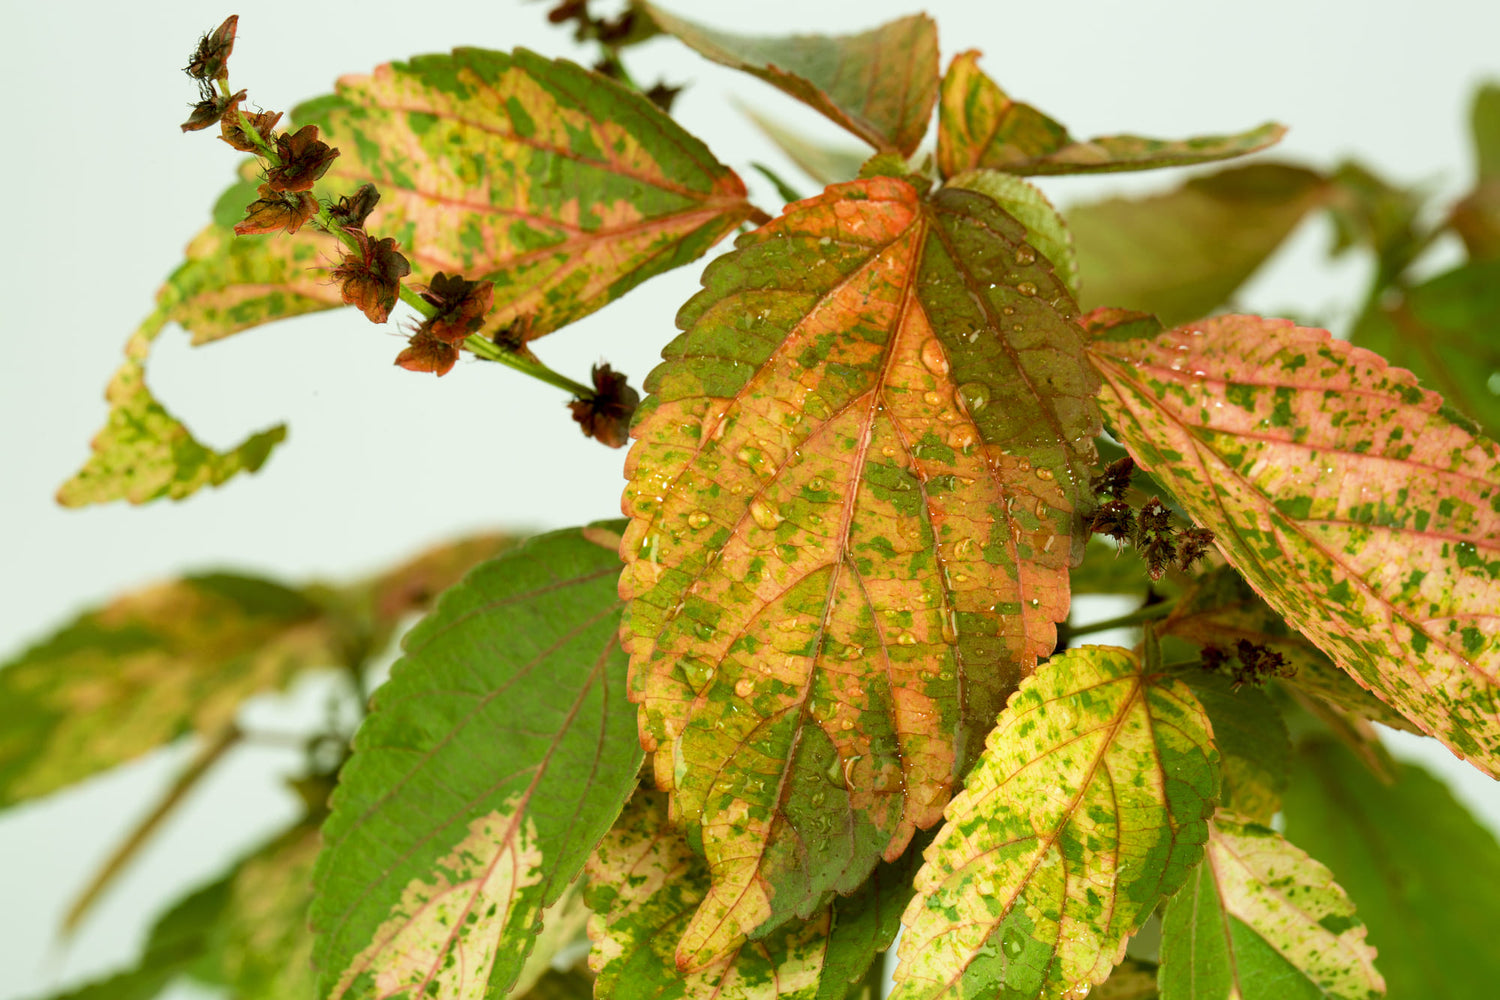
560,186
1344,494
843,554
1088,808
1484,124
147,668
979,126
1182,254
1251,737
494,759
1443,331
644,885
824,164
1416,865
1045,228
144,453
880,84
1260,920
1131,980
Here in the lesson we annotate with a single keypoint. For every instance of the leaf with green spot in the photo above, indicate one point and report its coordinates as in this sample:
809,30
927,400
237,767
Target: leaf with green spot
644,884
1260,920
880,84
1089,806
1045,228
979,126
1443,330
1416,865
843,555
149,667
824,164
494,759
1343,493
1182,254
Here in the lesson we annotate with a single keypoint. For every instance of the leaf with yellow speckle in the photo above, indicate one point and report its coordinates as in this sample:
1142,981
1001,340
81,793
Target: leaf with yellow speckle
1347,496
644,883
1260,920
979,126
498,754
149,667
880,85
1089,806
854,501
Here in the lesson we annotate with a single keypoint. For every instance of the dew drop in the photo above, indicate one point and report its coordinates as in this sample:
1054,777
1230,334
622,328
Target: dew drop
817,484
1025,255
698,673
934,358
1044,474
963,438
853,652
973,336
1026,288
932,398
906,639
1012,943
950,627
1008,310
788,624
745,455
744,687
888,451
964,549
846,725
1035,603
764,514
697,519
825,240
974,396
703,630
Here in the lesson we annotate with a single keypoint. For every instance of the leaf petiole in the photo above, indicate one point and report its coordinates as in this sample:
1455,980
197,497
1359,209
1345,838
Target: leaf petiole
1149,613
525,362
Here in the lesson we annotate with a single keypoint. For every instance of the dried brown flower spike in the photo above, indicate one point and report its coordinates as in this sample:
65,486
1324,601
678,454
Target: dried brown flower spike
304,159
210,59
371,278
606,417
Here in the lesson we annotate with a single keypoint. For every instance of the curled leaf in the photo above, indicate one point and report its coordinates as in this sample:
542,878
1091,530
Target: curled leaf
275,211
304,159
370,277
606,416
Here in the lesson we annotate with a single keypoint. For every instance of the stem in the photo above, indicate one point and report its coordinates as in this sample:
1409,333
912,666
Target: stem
1140,616
526,363
759,217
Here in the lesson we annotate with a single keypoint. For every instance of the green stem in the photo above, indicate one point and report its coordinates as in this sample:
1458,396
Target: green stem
1140,616
527,363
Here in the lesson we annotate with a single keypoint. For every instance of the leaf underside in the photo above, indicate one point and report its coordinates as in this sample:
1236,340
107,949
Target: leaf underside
1088,807
880,84
853,510
1260,920
980,127
1343,493
497,755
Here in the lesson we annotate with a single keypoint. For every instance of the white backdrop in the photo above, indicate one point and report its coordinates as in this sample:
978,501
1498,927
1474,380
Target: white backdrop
102,192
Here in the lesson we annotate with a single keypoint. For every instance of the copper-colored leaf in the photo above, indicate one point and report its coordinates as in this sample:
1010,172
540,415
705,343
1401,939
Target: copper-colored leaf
1344,494
880,84
275,212
980,127
854,501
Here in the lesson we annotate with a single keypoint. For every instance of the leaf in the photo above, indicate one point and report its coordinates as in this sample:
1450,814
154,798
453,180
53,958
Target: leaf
644,883
824,164
148,667
555,183
979,126
497,755
1344,494
880,84
144,453
1183,253
1087,808
1131,980
1415,864
843,555
1222,609
1045,228
1251,737
416,583
1260,920
1484,125
1443,331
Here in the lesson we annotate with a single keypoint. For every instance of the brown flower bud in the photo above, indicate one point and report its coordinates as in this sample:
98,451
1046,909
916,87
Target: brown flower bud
425,353
209,110
303,160
351,210
606,417
462,306
275,211
370,278
662,95
210,59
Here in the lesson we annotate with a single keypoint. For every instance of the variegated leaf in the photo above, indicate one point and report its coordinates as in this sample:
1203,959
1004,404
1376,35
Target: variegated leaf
852,529
1344,494
1088,808
498,754
1260,920
980,127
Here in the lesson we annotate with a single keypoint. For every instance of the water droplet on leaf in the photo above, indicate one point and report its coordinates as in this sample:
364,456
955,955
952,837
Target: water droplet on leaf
974,396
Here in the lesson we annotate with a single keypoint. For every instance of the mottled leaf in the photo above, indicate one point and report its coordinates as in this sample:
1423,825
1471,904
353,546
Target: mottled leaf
644,885
1182,254
1260,920
1087,808
824,164
1344,494
1416,865
147,668
494,759
1445,332
1251,737
1045,228
844,554
979,126
880,84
